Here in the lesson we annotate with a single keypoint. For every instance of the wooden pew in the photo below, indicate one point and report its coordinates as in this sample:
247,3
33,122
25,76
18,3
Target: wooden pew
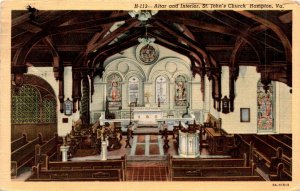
24,155
286,150
211,170
207,162
193,173
219,141
263,151
15,144
109,170
221,178
244,148
285,138
281,175
50,149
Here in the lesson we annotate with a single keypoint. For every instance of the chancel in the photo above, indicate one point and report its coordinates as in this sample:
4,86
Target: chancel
151,95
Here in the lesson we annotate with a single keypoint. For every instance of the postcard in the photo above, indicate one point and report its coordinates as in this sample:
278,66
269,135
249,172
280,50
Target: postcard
149,95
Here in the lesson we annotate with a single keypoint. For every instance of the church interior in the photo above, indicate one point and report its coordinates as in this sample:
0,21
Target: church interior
151,95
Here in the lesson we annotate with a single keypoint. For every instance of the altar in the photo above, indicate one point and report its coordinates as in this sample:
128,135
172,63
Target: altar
147,116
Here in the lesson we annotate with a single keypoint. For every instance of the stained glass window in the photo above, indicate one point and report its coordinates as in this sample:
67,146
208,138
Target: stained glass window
133,89
114,90
85,99
180,91
265,109
161,89
28,107
25,105
49,110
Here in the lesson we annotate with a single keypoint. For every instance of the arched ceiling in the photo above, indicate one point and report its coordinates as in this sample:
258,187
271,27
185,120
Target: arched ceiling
211,39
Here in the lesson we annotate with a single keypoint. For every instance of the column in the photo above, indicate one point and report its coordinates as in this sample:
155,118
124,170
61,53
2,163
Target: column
171,95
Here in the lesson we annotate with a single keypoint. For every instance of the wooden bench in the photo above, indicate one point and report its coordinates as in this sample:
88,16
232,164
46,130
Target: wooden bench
286,150
219,142
221,178
211,169
281,175
15,144
263,151
109,170
207,162
244,148
24,155
286,138
50,149
183,169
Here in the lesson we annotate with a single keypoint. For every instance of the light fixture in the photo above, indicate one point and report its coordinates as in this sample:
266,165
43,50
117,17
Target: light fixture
146,39
142,15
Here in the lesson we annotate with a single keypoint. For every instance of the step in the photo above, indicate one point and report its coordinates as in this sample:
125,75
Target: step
146,131
147,158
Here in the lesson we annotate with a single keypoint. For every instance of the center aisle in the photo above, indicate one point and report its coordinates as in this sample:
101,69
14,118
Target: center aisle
146,161
147,145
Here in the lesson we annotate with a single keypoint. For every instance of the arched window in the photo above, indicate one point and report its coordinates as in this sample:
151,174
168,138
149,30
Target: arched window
180,91
26,105
49,110
265,107
133,89
161,89
114,90
85,100
29,107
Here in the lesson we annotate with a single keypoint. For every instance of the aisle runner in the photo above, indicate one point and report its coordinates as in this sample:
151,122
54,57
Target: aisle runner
146,145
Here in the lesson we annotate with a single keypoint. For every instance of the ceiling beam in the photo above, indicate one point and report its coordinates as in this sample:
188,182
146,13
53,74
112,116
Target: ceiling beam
25,17
286,18
199,24
34,27
93,40
177,47
100,35
215,28
114,49
30,27
63,29
281,35
187,40
108,50
187,32
56,59
113,35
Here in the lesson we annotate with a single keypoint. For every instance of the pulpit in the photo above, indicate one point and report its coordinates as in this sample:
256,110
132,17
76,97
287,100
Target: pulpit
189,144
